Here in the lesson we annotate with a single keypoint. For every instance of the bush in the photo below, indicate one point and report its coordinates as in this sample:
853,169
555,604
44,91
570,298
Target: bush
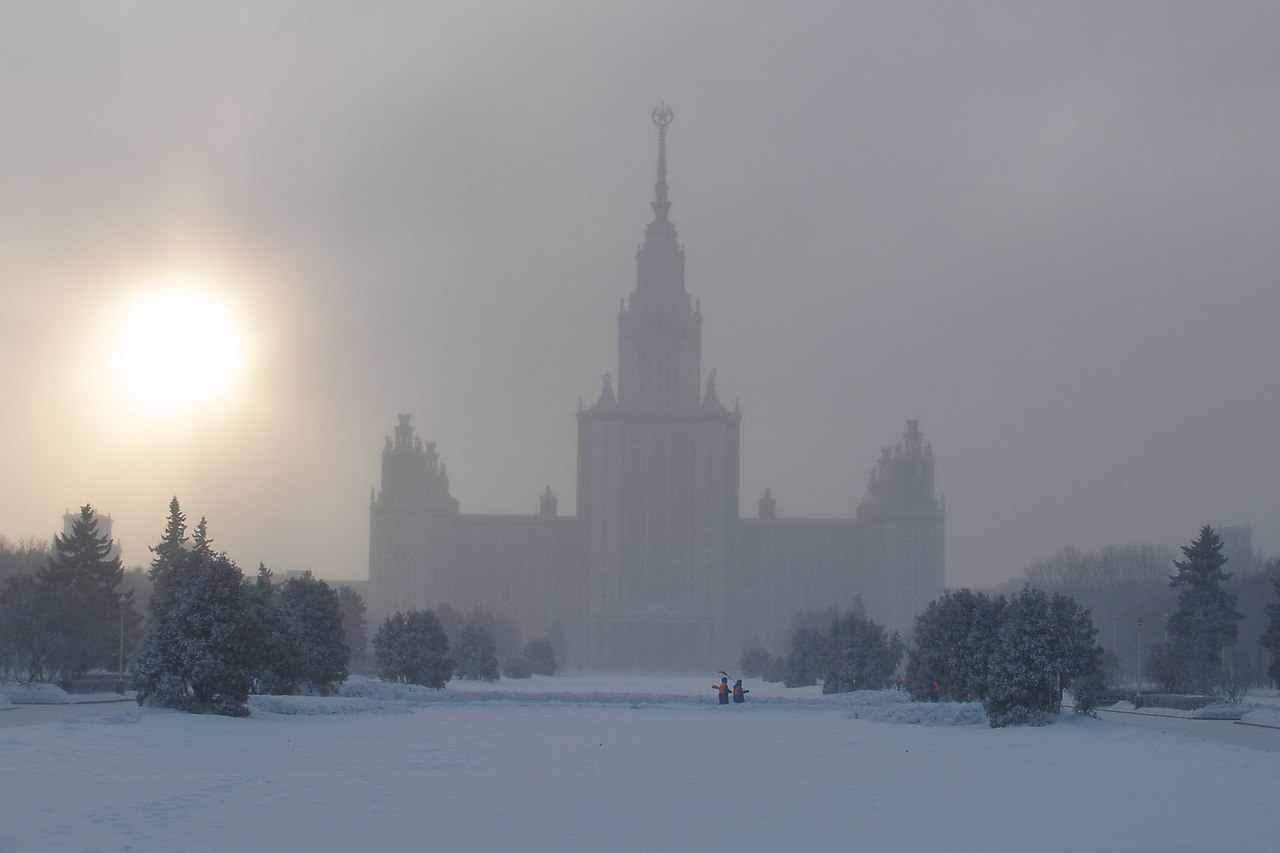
1045,645
807,658
861,655
476,657
412,648
517,667
540,656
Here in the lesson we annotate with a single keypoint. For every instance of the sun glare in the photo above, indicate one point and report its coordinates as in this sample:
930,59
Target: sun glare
178,349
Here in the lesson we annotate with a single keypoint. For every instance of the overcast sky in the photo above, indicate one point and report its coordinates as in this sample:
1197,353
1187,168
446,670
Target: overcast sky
1051,233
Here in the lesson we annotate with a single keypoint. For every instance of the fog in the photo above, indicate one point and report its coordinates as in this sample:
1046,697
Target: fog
1050,234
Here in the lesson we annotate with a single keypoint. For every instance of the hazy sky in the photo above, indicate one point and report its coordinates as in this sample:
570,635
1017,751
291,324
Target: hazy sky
1051,233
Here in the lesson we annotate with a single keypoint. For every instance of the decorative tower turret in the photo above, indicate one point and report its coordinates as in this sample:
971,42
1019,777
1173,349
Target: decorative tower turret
659,329
900,530
411,521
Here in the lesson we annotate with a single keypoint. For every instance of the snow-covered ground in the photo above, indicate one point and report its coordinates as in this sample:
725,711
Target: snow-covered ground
621,763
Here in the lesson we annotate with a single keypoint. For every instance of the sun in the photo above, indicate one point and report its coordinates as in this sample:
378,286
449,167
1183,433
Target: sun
178,349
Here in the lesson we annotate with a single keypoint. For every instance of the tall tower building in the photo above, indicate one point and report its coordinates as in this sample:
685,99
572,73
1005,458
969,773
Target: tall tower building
658,472
656,571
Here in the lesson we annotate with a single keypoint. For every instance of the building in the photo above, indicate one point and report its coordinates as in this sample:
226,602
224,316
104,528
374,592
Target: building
656,571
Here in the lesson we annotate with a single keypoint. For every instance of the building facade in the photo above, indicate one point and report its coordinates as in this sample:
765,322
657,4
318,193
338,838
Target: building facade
656,571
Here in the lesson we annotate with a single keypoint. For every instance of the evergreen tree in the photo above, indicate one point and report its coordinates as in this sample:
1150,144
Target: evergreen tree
79,596
953,643
1271,638
476,656
273,635
199,652
541,656
412,647
861,655
1045,644
355,627
1206,618
807,660
173,544
315,655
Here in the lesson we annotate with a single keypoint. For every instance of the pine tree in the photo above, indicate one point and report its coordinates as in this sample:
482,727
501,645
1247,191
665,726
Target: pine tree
79,596
412,648
200,649
1271,638
1206,618
173,544
355,628
476,656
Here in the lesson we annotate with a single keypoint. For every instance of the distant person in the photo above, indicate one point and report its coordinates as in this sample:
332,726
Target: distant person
739,692
935,691
723,690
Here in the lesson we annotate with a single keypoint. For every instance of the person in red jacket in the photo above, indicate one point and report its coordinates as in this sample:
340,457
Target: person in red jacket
723,688
739,692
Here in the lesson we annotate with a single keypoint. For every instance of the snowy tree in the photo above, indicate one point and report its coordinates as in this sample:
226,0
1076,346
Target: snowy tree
302,635
355,628
78,597
807,660
172,548
199,651
1206,618
1045,644
320,656
475,654
541,656
412,647
29,632
1271,638
953,643
861,655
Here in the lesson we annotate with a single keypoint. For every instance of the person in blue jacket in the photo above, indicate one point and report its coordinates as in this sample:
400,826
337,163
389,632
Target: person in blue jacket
723,688
739,692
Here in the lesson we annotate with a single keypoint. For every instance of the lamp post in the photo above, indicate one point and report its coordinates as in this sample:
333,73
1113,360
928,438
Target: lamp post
123,601
1139,660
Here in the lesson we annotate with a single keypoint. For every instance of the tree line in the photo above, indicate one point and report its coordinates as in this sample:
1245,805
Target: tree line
1018,654
211,635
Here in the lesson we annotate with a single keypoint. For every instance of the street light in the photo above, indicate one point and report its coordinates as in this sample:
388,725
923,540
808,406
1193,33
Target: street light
1139,704
123,601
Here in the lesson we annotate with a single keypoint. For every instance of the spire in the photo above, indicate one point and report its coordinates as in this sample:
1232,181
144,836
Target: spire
662,116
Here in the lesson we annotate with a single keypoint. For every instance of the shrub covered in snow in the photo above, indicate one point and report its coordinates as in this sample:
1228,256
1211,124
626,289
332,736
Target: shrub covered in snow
541,657
1045,645
860,655
412,647
476,657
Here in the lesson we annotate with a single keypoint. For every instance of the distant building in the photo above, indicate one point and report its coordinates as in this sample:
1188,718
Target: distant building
1237,547
657,571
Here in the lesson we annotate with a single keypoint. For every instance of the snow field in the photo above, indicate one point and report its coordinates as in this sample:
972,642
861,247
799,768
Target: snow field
552,764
